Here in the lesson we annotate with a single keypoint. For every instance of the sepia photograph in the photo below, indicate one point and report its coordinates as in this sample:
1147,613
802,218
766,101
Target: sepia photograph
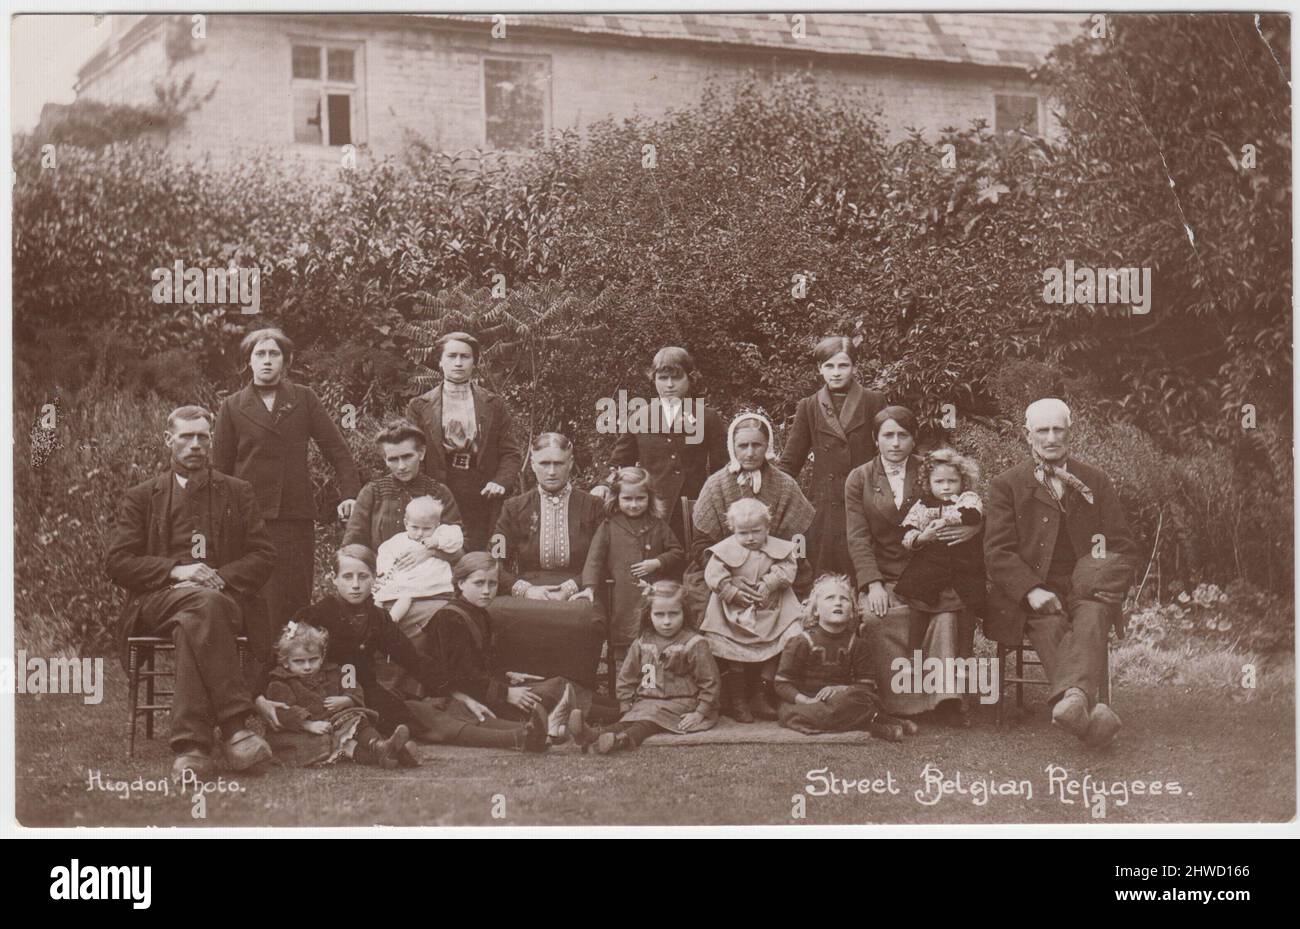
633,417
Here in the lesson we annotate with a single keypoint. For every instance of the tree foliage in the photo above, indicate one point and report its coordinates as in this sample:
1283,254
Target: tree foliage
744,227
1178,146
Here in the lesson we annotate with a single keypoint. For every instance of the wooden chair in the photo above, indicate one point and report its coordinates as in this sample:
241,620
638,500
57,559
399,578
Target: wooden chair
142,654
611,672
1006,652
688,529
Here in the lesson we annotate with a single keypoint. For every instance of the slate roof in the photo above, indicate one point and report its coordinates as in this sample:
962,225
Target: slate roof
997,40
1002,40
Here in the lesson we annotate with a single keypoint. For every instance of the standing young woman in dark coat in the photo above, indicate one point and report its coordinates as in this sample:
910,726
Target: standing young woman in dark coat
678,468
261,436
835,423
472,448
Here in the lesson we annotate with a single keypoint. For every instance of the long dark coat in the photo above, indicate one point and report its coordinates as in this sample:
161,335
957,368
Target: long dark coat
619,543
839,444
269,449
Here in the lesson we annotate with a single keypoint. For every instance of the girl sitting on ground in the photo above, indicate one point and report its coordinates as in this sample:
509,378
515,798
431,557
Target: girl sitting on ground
668,682
322,701
824,680
361,634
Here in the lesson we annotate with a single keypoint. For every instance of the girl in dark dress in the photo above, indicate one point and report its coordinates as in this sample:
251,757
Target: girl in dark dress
826,679
944,577
326,718
486,694
835,424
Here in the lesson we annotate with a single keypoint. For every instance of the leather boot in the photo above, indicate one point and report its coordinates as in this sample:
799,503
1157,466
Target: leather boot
733,697
760,702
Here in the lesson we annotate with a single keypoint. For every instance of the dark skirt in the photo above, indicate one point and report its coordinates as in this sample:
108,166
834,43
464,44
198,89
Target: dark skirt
675,517
288,589
900,633
942,578
828,538
849,711
548,637
415,626
478,513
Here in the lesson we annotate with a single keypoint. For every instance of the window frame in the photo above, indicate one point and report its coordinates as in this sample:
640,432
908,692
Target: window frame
547,103
1038,110
325,87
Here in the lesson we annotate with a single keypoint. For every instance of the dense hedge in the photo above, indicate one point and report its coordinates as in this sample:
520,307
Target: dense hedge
743,227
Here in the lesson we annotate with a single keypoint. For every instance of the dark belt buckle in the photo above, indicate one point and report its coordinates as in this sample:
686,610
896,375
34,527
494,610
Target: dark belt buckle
459,461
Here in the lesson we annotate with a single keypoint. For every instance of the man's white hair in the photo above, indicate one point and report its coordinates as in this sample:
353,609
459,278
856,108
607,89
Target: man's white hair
1048,406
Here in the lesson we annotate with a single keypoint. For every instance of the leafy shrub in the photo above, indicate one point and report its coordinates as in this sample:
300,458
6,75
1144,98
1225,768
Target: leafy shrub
769,216
103,442
1156,118
1240,617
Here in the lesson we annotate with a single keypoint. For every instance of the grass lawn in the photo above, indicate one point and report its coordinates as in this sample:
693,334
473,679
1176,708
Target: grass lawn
1234,761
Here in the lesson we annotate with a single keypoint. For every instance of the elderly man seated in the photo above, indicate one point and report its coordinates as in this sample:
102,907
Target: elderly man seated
1059,557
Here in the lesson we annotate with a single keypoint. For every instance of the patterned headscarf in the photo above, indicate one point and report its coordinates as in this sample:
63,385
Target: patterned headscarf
753,479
